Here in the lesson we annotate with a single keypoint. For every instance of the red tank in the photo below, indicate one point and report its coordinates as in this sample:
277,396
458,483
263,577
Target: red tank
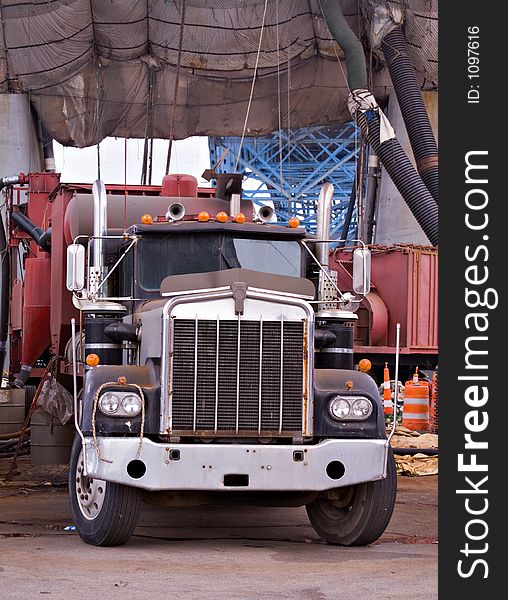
36,308
179,185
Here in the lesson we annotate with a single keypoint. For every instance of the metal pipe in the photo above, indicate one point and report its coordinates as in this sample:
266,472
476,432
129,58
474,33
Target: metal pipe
234,205
396,391
11,180
324,211
75,392
5,273
47,150
100,224
370,198
349,214
42,238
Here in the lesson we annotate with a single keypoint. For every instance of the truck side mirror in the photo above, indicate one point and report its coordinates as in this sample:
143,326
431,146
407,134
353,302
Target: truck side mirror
75,267
361,271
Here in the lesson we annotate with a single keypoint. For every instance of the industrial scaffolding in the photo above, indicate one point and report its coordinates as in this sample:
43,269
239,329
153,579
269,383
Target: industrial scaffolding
288,168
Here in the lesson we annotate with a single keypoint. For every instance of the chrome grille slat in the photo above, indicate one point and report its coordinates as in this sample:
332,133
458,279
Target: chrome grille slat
238,353
226,376
260,372
216,374
281,395
195,373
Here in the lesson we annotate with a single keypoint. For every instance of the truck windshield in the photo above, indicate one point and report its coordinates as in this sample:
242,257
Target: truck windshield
163,255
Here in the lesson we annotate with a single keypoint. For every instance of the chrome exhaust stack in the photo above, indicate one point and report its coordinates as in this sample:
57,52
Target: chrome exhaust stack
234,204
97,269
324,211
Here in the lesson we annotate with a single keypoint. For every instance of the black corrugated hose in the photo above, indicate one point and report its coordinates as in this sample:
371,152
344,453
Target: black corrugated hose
413,109
403,175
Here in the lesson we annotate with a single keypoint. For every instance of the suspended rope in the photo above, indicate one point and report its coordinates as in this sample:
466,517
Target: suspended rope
279,100
177,81
150,162
125,183
144,164
355,194
98,161
288,118
148,138
97,114
254,76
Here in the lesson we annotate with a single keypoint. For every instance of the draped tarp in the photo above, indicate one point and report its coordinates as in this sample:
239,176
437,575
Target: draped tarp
97,68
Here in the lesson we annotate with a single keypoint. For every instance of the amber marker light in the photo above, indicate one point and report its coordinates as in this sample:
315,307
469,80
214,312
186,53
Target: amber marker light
349,385
92,360
122,380
146,219
293,222
203,216
239,218
222,216
365,365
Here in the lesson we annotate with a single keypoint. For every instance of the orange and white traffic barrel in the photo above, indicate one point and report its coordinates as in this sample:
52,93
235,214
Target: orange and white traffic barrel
415,412
434,408
387,392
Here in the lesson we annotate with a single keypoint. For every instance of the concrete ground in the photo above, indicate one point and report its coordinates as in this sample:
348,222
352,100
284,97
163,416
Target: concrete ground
203,552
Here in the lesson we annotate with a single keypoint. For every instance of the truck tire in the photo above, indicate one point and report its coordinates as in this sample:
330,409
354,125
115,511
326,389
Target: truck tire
355,515
105,513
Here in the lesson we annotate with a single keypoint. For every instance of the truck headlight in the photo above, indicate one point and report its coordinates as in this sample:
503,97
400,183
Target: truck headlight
362,408
131,404
109,403
120,404
350,408
339,408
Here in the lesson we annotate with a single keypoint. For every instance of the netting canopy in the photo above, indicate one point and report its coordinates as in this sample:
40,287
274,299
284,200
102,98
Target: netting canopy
97,68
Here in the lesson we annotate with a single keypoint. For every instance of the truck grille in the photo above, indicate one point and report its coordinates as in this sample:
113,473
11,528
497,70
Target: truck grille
251,385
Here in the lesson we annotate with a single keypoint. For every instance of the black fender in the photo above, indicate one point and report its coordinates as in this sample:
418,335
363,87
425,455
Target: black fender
331,382
148,379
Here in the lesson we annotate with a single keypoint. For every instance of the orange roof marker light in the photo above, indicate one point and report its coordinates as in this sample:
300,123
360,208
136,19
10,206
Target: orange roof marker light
239,218
293,222
365,365
203,216
92,360
146,219
222,216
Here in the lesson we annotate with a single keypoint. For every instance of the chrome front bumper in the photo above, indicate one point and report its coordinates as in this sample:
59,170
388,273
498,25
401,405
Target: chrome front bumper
259,467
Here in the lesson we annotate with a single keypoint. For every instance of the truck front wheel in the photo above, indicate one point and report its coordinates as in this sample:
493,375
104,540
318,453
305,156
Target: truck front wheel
355,515
105,513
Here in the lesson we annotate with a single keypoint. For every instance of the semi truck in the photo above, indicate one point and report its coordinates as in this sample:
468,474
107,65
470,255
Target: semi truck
209,352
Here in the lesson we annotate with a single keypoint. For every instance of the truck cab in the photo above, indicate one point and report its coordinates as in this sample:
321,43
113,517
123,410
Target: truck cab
217,355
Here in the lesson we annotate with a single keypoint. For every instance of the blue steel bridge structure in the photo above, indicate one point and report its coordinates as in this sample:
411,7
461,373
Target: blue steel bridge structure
288,168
